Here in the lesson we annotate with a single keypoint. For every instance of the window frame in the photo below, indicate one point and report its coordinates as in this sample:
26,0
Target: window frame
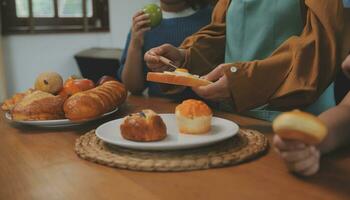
33,25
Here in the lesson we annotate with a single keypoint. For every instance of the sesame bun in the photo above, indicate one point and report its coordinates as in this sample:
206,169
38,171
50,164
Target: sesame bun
143,126
301,126
193,117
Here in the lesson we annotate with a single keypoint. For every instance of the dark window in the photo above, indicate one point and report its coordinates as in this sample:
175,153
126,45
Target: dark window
45,16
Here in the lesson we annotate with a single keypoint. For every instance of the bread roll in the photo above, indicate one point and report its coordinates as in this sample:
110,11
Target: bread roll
144,126
193,117
95,102
300,126
177,78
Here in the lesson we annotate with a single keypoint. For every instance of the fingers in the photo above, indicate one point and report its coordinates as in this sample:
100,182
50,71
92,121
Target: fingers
307,166
346,66
142,25
217,73
296,155
312,170
286,145
140,16
140,20
216,91
166,50
300,158
138,13
152,61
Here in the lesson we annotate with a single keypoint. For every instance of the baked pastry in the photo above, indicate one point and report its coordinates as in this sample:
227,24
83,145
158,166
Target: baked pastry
9,104
95,102
38,105
144,126
178,77
193,117
300,126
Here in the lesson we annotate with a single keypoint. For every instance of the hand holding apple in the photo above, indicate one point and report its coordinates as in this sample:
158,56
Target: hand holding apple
177,56
142,21
155,14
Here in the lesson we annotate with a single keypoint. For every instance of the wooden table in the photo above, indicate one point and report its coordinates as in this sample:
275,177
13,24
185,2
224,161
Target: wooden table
41,164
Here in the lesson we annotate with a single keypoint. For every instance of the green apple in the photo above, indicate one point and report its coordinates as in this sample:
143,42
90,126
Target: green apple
155,14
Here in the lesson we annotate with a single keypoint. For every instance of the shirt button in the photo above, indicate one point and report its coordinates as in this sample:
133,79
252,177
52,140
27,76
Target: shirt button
233,69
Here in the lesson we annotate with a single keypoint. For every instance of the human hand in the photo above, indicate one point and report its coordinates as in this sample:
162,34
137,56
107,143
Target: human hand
300,158
219,90
346,66
168,51
140,24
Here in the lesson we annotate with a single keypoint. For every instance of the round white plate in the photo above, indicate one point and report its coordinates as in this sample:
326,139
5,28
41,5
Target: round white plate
221,129
55,123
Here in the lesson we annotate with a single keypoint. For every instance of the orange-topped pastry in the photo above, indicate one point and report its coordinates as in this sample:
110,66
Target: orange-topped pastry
193,117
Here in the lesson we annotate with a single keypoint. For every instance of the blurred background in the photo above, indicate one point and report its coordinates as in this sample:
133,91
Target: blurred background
55,35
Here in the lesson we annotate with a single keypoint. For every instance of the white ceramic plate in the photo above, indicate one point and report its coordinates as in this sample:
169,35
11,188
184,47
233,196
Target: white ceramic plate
221,130
55,123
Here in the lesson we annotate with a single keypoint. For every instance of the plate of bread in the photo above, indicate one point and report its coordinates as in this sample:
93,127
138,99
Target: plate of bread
54,103
192,125
55,122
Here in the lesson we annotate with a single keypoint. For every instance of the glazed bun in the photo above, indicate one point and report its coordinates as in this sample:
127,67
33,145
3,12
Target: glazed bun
144,126
193,117
300,126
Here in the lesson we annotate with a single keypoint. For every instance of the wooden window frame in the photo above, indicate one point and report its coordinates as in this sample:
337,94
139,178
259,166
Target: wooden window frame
32,25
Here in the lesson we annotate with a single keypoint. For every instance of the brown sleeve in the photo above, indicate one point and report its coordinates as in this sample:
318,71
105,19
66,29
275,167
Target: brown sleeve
206,48
301,68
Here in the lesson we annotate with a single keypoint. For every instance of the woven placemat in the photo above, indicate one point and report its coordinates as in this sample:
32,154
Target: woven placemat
246,145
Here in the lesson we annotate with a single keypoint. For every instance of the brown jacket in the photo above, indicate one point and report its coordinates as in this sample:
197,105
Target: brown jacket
310,61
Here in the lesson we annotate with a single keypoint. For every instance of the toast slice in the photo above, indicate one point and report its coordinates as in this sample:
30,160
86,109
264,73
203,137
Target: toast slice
177,78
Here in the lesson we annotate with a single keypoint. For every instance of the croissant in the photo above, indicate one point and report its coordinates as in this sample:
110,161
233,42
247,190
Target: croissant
9,104
95,102
39,105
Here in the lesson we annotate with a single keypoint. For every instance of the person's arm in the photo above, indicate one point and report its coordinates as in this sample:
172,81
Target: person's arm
305,159
337,120
300,69
132,75
199,53
205,49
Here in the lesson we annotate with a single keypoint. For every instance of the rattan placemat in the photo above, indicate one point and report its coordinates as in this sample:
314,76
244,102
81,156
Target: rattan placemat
246,145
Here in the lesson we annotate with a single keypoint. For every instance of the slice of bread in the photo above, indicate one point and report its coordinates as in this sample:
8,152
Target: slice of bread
184,79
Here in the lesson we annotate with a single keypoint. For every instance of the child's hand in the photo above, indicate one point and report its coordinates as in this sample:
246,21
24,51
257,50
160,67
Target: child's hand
177,56
140,24
299,157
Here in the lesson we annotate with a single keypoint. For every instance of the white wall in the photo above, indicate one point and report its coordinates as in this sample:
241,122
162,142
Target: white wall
25,56
3,94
